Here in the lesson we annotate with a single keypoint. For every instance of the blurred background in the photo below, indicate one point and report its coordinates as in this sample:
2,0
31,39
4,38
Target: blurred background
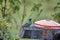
15,13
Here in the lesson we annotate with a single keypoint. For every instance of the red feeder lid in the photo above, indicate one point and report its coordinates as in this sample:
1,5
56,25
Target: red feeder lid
47,24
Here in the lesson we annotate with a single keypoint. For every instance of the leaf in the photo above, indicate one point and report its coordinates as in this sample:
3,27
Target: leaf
1,1
33,9
8,19
14,1
58,3
56,7
0,7
3,25
36,6
11,1
15,7
57,16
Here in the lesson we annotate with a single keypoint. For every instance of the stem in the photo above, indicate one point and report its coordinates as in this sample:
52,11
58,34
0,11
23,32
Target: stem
4,9
23,12
23,16
37,16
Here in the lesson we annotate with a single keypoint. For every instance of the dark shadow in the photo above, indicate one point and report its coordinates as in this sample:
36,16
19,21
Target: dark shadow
27,34
1,39
26,25
56,37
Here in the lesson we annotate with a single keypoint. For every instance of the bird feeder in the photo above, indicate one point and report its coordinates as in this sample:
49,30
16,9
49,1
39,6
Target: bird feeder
47,25
41,29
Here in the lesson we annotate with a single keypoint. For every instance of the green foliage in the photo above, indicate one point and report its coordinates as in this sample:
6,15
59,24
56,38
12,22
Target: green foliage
3,24
7,35
36,7
15,7
57,16
3,29
1,1
47,0
8,19
58,3
56,7
0,7
1,37
14,1
11,1
1,4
